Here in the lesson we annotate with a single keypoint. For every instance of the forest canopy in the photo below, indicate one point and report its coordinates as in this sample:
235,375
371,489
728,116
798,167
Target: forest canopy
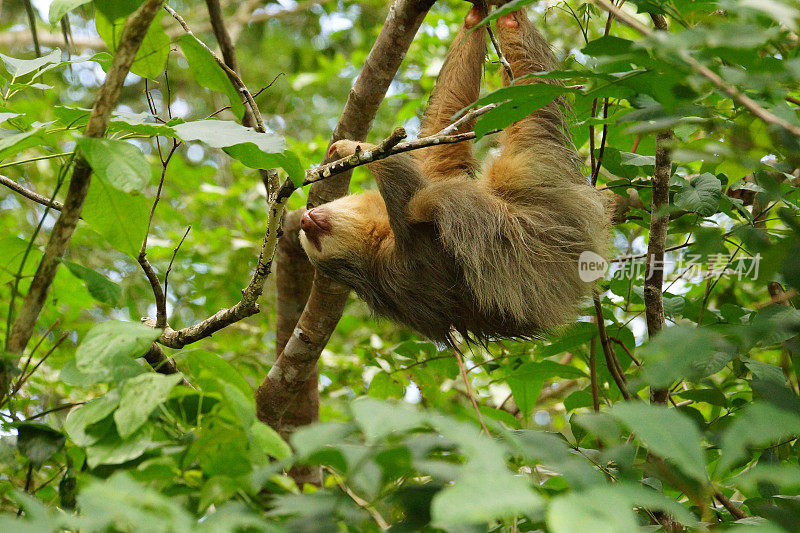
172,362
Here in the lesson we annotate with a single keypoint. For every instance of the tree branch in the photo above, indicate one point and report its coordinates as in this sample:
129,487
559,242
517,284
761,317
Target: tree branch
659,224
326,302
132,36
29,194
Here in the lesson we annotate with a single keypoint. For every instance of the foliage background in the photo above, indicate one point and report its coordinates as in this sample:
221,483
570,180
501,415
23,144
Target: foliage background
399,440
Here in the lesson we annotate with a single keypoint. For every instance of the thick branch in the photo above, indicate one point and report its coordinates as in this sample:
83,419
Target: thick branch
659,224
326,303
132,35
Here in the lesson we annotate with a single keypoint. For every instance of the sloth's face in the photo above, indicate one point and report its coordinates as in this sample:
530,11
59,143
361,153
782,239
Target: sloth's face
350,228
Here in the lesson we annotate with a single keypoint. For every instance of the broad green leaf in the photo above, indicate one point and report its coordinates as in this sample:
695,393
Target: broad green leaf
759,425
681,352
202,363
140,396
59,8
526,381
268,441
480,498
119,217
596,511
224,133
12,250
610,508
143,123
100,287
384,386
38,442
222,450
526,389
209,74
666,433
112,450
110,341
154,50
701,195
294,167
20,67
118,163
378,419
84,416
522,100
120,503
12,144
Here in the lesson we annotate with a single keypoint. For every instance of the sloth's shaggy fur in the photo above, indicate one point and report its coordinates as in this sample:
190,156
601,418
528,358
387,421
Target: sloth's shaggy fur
444,245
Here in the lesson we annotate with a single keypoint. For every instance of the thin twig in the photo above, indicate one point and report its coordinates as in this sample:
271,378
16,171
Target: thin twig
29,194
500,56
470,392
234,77
593,374
172,259
358,500
608,351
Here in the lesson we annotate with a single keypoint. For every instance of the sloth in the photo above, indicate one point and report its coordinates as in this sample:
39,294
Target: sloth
446,246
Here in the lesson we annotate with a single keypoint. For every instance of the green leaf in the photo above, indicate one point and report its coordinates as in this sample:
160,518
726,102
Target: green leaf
225,133
519,101
118,163
14,143
208,73
12,250
203,364
112,450
378,419
596,511
79,420
383,386
100,287
526,381
154,50
110,341
140,397
143,123
59,8
119,217
701,195
666,433
268,441
294,167
682,352
610,508
20,67
501,495
38,442
759,425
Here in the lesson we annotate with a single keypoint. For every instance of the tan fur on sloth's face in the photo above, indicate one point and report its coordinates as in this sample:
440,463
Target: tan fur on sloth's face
354,225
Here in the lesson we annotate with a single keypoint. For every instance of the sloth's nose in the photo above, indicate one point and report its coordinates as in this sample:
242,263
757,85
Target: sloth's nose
314,221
